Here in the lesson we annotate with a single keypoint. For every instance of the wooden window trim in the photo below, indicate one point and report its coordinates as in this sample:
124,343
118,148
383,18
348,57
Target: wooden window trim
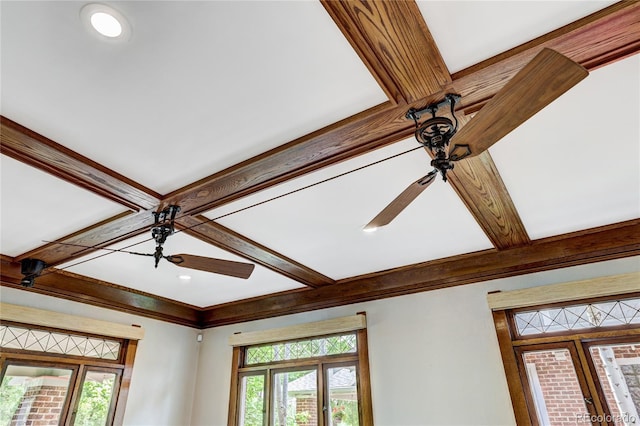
510,362
363,378
300,331
236,361
84,369
511,344
585,388
124,366
125,381
585,347
360,359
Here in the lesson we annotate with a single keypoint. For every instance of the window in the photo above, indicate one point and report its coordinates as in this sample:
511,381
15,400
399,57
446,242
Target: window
606,313
315,380
574,362
55,376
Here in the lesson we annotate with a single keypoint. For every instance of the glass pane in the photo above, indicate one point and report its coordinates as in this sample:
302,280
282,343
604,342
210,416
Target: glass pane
95,399
33,395
252,401
618,368
555,388
295,398
599,314
321,346
343,396
13,337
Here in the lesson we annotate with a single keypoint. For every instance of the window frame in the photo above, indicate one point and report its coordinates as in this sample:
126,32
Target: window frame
512,344
360,359
122,367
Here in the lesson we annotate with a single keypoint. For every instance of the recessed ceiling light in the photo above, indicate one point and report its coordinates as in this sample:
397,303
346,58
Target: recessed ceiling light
184,278
105,22
371,229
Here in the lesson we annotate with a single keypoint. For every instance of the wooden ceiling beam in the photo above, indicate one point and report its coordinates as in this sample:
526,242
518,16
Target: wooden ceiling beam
594,245
479,185
83,289
394,42
356,135
213,233
90,239
601,38
594,41
386,123
31,148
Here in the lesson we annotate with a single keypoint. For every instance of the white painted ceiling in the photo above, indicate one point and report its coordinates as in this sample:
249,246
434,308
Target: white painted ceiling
201,86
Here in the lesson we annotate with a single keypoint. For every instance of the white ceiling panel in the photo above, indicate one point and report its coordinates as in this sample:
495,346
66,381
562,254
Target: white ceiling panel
576,164
37,206
322,225
468,32
203,85
198,87
202,290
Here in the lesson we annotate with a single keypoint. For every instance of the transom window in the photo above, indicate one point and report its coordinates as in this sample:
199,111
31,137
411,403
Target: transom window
322,346
578,317
32,339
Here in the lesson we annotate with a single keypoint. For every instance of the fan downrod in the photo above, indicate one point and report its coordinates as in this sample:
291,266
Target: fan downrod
164,225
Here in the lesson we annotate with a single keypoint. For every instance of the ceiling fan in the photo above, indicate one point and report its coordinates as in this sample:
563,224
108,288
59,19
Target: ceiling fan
164,226
547,76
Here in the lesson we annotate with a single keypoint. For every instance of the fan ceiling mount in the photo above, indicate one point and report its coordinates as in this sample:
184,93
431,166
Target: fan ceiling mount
545,78
164,226
435,134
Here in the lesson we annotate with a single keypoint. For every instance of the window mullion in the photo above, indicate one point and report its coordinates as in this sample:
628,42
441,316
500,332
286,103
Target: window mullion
75,394
584,366
364,385
268,415
322,394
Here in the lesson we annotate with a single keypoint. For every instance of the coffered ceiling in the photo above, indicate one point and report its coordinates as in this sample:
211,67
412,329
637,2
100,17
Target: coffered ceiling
279,129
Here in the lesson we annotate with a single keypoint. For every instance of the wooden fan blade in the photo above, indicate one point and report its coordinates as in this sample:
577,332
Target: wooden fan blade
401,201
535,86
217,266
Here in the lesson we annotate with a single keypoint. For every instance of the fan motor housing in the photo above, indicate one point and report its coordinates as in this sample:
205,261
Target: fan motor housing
435,132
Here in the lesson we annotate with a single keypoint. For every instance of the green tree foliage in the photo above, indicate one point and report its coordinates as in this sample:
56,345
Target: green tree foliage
95,400
344,412
10,397
254,401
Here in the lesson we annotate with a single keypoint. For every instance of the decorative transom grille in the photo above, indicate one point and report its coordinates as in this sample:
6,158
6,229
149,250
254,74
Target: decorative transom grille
600,314
321,346
12,337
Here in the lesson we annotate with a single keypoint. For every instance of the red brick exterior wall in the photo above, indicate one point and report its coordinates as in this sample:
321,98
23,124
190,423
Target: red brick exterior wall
560,388
559,384
307,406
40,406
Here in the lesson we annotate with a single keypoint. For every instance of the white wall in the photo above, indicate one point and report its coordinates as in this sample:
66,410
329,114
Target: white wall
434,356
165,366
